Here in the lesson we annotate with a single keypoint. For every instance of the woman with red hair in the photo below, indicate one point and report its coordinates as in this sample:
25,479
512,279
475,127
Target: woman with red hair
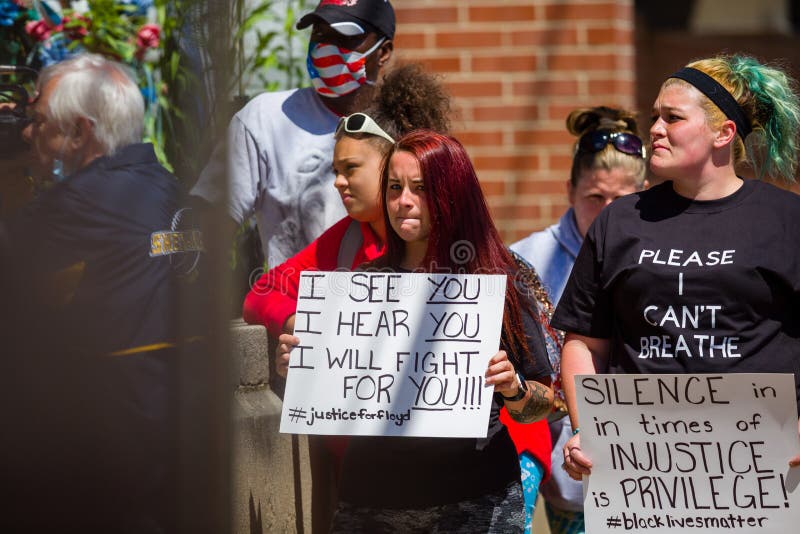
437,220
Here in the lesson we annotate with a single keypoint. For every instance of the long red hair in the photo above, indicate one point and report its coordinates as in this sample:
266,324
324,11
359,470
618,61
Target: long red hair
463,237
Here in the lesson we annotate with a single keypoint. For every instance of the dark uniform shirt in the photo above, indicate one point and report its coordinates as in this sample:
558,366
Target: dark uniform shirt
91,292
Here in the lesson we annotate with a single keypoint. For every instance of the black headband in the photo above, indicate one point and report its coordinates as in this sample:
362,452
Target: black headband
718,95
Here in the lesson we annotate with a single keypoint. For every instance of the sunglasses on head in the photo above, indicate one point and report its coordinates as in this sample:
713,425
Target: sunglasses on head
361,123
624,142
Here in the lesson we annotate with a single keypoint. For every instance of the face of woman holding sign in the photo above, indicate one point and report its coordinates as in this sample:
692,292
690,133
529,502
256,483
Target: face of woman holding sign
407,207
434,204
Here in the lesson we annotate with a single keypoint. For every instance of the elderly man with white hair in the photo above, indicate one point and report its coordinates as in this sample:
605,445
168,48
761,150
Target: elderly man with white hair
91,275
87,107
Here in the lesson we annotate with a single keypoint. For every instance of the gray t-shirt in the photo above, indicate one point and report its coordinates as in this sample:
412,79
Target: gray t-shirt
279,163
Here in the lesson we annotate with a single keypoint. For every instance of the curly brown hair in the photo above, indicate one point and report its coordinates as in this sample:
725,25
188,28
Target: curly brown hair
408,98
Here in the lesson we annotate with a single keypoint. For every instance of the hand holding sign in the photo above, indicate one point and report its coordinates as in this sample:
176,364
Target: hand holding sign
502,375
576,464
286,342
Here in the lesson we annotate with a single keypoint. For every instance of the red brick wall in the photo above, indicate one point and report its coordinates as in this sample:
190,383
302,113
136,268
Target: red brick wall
515,69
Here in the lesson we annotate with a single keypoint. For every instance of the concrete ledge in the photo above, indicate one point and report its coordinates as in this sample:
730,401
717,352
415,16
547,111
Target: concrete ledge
264,485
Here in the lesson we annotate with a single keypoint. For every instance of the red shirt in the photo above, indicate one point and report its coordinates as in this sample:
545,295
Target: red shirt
273,298
533,438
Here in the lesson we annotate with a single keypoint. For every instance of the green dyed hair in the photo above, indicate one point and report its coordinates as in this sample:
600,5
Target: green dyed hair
768,97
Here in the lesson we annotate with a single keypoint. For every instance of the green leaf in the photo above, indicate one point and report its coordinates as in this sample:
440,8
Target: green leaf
174,63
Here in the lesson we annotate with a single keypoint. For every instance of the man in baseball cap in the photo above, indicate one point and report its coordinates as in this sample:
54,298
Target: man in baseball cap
280,145
353,17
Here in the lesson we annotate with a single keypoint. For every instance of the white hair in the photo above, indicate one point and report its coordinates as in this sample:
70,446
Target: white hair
101,90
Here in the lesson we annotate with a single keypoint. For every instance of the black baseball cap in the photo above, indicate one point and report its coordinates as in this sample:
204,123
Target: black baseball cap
353,17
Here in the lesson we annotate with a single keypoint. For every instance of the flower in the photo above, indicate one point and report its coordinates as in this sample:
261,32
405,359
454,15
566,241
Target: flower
9,12
55,49
38,29
147,37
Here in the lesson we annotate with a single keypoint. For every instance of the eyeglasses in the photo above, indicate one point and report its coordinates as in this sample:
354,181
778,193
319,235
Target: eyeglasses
624,142
361,123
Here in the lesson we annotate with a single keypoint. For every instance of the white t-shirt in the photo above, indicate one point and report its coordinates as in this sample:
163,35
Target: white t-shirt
280,157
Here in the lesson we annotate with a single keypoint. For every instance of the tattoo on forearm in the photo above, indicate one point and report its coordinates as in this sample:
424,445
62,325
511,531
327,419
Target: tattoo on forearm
537,406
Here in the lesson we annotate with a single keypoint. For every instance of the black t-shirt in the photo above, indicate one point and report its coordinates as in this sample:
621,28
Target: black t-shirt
682,286
400,472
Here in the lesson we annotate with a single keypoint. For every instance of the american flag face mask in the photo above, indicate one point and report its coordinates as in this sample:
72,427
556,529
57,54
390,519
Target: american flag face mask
336,71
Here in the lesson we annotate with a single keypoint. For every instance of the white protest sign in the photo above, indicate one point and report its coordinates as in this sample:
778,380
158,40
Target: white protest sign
393,354
678,453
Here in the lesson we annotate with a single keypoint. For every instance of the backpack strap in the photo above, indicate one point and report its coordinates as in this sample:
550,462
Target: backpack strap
350,245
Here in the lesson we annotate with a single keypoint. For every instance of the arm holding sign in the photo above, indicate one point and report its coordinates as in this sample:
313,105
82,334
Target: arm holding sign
524,385
526,402
581,355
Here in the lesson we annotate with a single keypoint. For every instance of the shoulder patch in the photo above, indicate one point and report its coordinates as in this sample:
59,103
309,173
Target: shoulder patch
175,241
183,243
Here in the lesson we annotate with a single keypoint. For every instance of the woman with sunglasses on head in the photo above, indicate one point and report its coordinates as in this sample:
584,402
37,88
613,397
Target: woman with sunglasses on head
608,163
393,484
408,98
704,236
